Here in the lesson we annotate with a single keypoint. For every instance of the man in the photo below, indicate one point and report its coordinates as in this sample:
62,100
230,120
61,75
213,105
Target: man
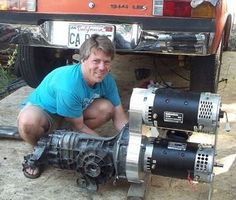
84,95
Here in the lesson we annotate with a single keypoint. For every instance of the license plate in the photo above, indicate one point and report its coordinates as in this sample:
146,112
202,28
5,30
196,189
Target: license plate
78,33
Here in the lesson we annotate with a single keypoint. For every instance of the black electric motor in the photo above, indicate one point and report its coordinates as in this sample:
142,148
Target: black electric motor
167,108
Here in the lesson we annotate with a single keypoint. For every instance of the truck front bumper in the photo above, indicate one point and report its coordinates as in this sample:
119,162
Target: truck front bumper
127,37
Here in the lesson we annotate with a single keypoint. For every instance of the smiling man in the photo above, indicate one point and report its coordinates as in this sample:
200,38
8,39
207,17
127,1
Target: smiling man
84,95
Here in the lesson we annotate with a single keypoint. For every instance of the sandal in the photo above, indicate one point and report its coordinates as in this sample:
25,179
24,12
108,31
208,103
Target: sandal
31,172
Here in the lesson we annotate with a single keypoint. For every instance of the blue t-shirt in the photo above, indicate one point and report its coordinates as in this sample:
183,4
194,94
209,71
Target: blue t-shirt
65,92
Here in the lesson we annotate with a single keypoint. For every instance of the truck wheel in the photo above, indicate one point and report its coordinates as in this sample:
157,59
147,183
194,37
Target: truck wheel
205,70
204,74
34,63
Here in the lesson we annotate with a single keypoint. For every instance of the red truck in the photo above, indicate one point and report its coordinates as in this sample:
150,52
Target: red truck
48,33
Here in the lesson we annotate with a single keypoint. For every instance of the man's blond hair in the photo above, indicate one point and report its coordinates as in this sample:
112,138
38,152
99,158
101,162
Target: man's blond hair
99,42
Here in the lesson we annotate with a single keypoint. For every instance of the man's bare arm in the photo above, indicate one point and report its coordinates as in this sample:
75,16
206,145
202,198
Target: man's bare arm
79,125
119,118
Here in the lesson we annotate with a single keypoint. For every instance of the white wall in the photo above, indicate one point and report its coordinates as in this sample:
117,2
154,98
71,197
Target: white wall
232,8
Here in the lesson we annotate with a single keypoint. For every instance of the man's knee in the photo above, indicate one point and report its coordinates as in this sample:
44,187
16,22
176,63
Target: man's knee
31,120
26,124
105,110
106,107
100,109
31,126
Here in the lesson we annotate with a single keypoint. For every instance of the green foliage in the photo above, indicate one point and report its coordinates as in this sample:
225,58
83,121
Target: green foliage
11,58
5,78
6,75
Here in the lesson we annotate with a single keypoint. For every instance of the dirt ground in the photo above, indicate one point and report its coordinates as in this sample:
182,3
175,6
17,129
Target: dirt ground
61,184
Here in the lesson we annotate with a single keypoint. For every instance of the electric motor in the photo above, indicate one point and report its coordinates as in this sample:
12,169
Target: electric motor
182,160
178,110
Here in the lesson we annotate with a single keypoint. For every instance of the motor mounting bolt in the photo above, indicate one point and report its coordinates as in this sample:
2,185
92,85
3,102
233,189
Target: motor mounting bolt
153,166
197,178
200,127
200,147
154,116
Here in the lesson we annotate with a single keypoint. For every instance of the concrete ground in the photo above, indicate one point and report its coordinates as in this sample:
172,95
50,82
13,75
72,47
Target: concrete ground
61,184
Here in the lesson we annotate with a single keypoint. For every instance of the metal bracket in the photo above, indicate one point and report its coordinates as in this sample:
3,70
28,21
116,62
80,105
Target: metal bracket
138,191
133,171
9,132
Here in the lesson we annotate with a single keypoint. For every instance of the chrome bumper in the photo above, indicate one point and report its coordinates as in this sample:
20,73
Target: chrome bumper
128,38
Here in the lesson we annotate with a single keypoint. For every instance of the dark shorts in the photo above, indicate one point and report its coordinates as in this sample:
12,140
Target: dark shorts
55,121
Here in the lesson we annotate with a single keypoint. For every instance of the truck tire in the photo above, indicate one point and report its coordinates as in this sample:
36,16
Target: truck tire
205,70
204,74
34,63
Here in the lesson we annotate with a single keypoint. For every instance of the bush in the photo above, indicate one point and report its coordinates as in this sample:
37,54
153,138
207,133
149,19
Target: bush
7,59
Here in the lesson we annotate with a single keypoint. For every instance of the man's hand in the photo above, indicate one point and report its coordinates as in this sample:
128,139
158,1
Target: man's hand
79,125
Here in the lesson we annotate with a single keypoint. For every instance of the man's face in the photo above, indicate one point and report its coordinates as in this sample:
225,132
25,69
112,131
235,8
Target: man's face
96,67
